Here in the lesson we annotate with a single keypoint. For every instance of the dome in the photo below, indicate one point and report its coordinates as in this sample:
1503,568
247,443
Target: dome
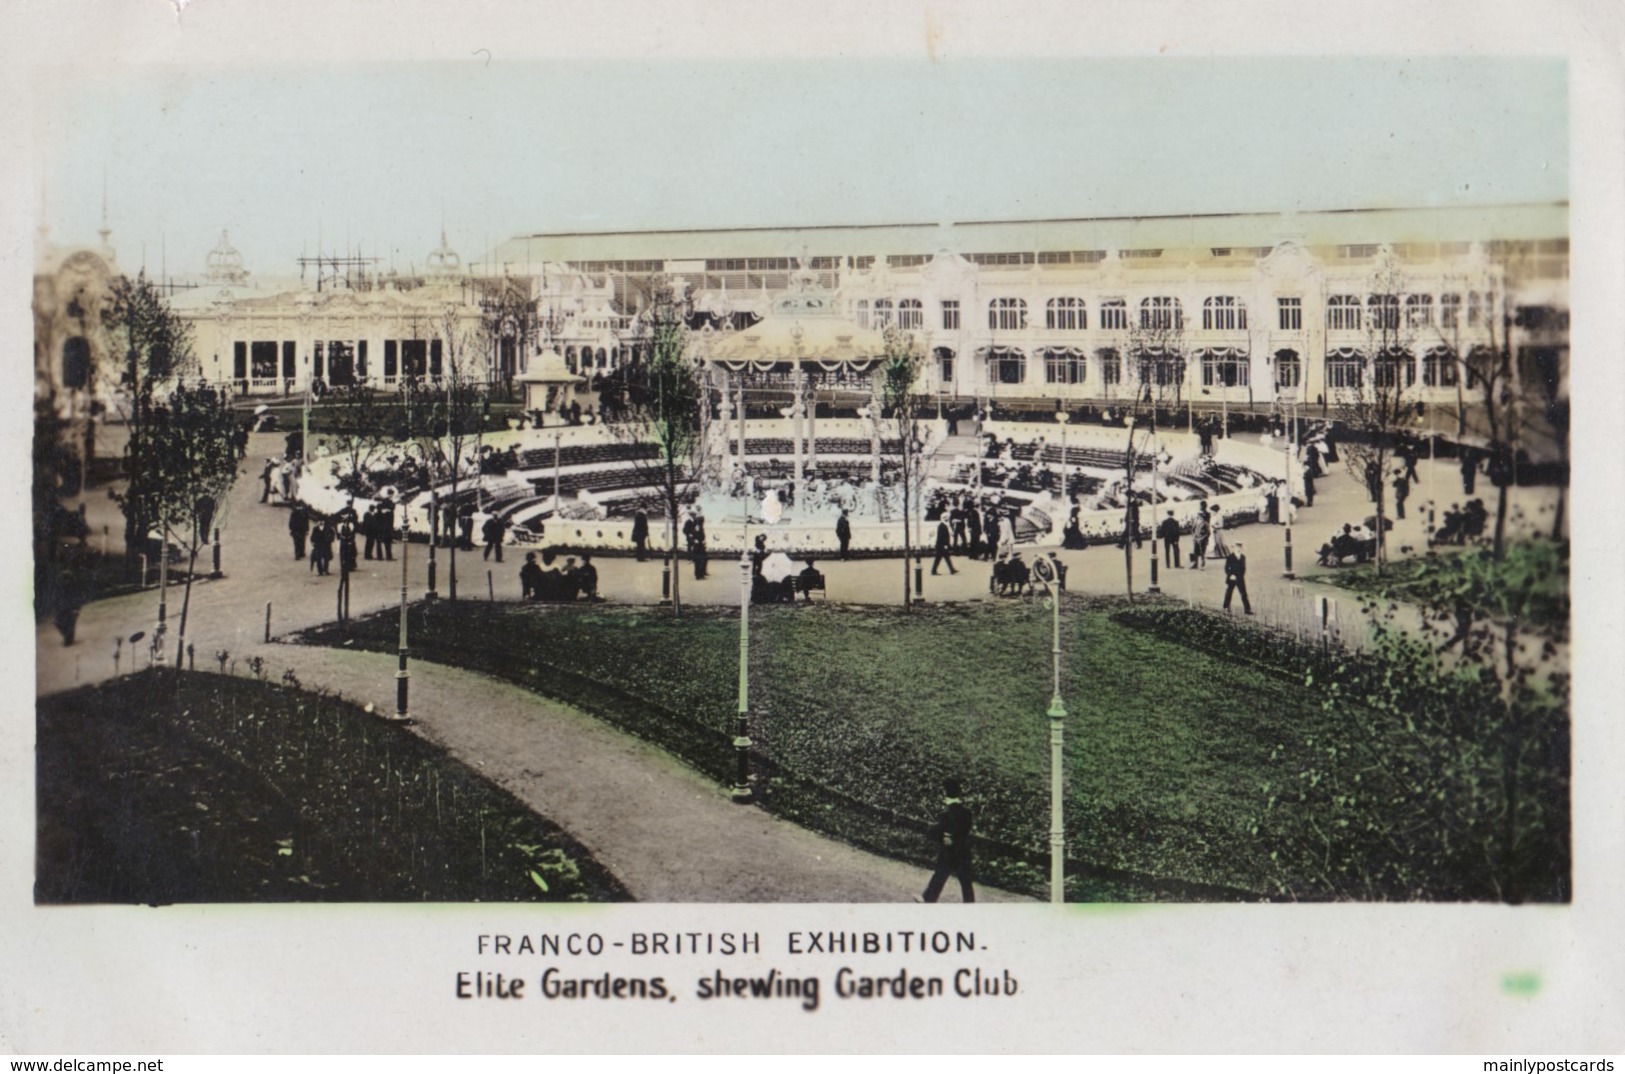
224,263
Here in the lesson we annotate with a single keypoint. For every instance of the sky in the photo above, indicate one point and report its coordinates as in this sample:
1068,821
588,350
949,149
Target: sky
379,155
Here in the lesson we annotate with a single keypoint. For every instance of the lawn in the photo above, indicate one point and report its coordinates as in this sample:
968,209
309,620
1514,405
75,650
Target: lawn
859,713
164,787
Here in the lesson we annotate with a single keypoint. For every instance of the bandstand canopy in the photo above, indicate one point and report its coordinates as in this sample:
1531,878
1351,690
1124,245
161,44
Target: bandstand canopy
548,367
804,323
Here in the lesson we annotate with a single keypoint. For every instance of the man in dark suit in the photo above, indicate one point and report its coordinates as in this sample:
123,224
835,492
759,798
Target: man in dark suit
944,546
1235,578
640,533
843,532
1168,534
299,529
951,834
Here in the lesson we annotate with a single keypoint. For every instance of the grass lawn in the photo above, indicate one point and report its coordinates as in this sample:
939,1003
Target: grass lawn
859,713
165,787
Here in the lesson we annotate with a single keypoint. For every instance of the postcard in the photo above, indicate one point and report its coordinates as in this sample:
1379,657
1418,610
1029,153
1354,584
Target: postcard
885,528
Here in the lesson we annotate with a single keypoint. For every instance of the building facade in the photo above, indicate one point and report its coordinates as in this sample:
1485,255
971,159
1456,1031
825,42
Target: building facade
1241,311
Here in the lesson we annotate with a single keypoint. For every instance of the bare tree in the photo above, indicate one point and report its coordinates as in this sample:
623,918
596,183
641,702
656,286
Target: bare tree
656,403
1156,351
447,420
1377,401
508,327
901,365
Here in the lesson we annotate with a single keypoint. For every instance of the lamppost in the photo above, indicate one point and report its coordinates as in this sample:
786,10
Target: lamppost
1046,573
402,678
557,440
1290,450
742,790
1062,417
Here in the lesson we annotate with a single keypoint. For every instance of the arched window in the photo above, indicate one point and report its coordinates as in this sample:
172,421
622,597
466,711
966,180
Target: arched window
1288,370
603,358
1449,311
945,364
1439,367
1005,365
1007,314
1114,314
76,362
1223,313
1418,311
1111,365
1343,313
882,315
570,359
1161,311
1382,312
1394,368
910,314
861,313
1344,367
1065,315
1477,305
1224,367
1161,367
1064,365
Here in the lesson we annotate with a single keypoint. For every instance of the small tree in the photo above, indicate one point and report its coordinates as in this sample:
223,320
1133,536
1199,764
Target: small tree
364,424
1156,349
447,421
157,349
656,402
1487,396
508,326
1379,405
900,368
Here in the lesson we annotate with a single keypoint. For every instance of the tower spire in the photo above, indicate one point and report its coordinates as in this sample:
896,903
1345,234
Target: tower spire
105,231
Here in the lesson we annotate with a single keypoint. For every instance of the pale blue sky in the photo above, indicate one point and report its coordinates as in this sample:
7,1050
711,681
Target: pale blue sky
375,154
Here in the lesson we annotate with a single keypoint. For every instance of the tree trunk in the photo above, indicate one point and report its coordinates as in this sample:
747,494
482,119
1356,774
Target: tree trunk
676,564
1128,515
1512,885
1501,517
186,605
907,600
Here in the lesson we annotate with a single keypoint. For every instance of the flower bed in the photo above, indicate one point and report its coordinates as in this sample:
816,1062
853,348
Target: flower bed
208,788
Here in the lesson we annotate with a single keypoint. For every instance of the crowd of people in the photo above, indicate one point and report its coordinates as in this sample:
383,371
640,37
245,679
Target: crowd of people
545,582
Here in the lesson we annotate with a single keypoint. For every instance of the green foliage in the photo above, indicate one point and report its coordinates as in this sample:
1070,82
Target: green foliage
1430,775
180,451
213,788
188,461
1177,720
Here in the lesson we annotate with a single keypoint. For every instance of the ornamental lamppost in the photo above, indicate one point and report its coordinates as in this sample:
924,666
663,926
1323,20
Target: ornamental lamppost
1045,571
742,790
1062,417
402,677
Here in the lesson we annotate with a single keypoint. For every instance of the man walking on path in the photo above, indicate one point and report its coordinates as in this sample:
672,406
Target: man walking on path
1168,533
952,837
843,532
491,532
1199,538
1235,578
944,546
299,529
1402,491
